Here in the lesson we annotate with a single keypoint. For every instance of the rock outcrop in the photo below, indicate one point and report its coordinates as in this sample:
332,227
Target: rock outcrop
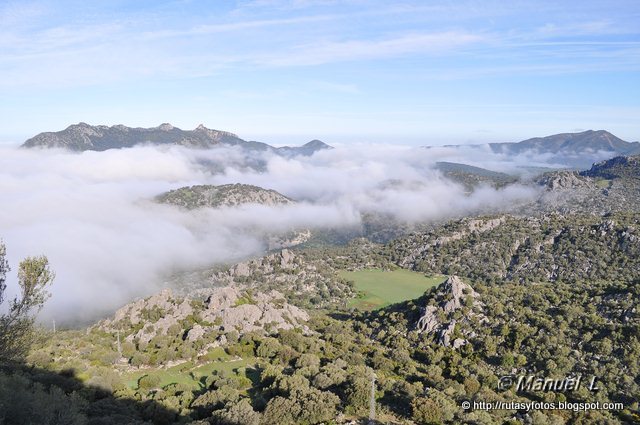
561,180
225,309
437,317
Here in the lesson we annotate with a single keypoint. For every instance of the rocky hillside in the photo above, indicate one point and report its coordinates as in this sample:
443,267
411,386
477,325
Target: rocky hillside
307,279
234,195
561,180
608,187
627,167
244,354
527,249
223,309
227,195
84,137
439,318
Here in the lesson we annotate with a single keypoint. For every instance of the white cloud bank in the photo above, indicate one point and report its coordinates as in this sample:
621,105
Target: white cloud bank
108,242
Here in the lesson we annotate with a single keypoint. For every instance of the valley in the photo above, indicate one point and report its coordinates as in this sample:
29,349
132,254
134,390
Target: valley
438,311
319,212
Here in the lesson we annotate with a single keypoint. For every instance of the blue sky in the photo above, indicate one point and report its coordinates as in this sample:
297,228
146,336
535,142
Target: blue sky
416,72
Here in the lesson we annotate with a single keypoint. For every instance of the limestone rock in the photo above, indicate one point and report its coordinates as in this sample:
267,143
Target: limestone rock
224,309
195,333
449,298
222,298
559,180
429,320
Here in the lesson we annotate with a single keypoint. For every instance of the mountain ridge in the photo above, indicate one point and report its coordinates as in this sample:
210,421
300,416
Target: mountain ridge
573,150
83,137
597,140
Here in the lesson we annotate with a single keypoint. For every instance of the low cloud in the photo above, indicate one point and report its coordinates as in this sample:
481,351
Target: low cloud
93,213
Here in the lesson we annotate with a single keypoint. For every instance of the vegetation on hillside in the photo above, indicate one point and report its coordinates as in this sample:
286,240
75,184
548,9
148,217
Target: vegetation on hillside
552,296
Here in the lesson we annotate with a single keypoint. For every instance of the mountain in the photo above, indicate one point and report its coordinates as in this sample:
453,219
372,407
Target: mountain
566,150
570,143
225,195
85,137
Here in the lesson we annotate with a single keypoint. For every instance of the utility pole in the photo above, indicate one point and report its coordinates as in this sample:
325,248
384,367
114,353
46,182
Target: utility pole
54,325
372,400
119,345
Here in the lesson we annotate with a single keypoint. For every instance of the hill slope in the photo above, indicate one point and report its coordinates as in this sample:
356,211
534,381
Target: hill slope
471,176
527,249
225,195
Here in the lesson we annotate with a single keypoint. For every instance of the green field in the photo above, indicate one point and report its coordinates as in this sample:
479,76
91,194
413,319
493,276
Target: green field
603,183
188,373
378,288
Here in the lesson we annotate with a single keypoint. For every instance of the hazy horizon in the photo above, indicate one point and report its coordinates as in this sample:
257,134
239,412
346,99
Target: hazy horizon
278,140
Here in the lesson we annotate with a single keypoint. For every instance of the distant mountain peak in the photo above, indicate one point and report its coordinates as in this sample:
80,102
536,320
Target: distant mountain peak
317,144
577,149
165,127
596,140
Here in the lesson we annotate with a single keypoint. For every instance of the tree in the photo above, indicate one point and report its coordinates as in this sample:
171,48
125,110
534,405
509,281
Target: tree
16,325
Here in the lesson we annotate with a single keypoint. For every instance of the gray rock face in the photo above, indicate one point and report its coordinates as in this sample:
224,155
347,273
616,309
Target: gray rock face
449,299
158,313
558,180
286,258
222,298
248,312
429,321
458,290
225,309
195,333
444,338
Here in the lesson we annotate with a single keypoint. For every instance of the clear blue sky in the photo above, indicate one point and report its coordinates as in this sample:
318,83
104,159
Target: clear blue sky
419,72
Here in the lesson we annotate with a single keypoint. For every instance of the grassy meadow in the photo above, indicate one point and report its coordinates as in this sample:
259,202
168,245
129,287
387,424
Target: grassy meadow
379,288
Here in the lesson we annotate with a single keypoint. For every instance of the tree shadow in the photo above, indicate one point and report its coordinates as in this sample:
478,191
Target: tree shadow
31,395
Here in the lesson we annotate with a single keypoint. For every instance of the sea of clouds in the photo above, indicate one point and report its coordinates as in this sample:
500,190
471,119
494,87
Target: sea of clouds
94,216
